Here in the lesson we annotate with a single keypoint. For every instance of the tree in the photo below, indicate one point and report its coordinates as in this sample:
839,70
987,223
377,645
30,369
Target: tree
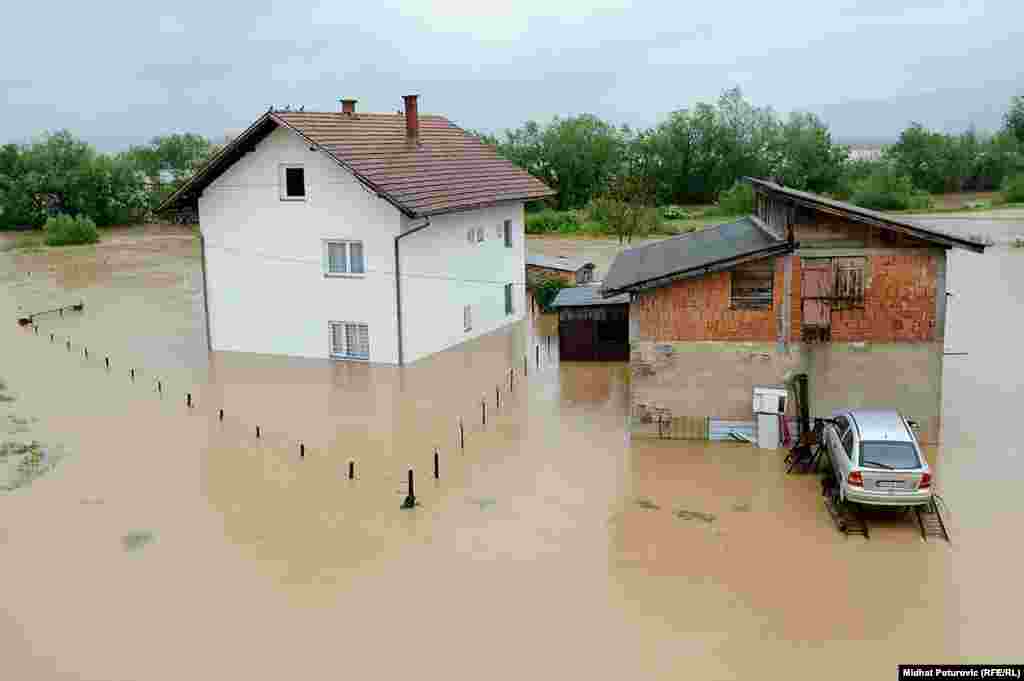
1014,118
803,156
627,206
169,160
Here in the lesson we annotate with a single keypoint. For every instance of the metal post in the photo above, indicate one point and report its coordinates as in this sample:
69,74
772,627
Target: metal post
437,465
462,436
188,399
538,356
497,397
133,374
525,367
106,360
69,345
51,337
511,379
86,353
351,469
220,415
410,498
159,387
483,412
257,432
302,451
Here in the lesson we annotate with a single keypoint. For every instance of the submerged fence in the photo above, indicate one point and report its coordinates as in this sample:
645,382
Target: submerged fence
541,359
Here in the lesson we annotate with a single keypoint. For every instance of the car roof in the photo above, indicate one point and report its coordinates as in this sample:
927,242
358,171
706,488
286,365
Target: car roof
880,424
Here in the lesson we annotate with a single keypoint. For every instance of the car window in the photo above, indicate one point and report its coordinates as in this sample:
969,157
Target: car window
848,443
889,455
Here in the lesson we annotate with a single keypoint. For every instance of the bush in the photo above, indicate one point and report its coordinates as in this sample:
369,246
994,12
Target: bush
885,189
546,291
64,230
737,200
548,221
1013,189
674,213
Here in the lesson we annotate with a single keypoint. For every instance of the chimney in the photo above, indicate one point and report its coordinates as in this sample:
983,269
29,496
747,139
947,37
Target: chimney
412,118
348,106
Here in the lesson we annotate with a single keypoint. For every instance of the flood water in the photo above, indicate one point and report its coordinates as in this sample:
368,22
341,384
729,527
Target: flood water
167,544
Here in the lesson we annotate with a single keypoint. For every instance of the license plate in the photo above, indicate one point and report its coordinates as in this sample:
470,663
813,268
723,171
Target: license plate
890,483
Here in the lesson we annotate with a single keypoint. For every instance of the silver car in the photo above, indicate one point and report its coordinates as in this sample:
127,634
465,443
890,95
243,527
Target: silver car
876,459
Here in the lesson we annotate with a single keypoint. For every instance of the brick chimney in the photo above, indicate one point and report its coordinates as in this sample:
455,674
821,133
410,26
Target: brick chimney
348,106
412,118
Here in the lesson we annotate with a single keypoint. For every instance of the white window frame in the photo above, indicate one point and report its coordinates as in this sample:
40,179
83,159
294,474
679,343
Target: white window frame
346,353
283,182
467,318
348,258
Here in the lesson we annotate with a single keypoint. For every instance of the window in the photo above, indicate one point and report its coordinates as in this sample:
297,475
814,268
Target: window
467,318
752,285
344,257
585,275
849,283
507,228
293,183
350,340
894,455
471,235
479,234
508,299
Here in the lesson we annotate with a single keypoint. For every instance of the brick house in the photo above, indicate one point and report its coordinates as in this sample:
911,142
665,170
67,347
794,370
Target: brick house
851,297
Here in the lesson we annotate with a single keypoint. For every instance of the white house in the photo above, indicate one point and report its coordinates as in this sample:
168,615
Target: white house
379,237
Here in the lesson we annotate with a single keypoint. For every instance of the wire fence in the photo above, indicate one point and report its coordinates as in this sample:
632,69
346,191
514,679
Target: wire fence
469,421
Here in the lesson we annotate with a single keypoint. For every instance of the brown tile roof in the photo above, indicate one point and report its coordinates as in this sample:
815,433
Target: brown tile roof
447,170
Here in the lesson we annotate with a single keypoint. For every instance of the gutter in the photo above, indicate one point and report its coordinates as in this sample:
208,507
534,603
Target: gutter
716,265
398,287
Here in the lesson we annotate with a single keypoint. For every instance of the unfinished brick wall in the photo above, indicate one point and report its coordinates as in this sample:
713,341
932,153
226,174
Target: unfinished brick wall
699,309
899,306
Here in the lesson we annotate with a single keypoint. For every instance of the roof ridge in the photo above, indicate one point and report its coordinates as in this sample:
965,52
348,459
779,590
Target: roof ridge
688,235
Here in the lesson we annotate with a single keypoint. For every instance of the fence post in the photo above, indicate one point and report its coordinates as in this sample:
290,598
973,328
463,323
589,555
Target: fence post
302,451
351,469
188,399
437,465
257,432
220,415
410,498
483,412
133,373
159,387
106,360
525,366
538,356
462,436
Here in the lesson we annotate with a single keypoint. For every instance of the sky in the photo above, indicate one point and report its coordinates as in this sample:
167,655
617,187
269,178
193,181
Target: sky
118,73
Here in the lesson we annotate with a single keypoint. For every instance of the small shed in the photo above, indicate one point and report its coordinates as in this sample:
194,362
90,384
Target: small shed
590,327
571,271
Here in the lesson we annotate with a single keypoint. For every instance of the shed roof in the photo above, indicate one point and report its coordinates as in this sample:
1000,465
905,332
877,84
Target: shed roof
446,170
557,262
859,214
691,255
586,296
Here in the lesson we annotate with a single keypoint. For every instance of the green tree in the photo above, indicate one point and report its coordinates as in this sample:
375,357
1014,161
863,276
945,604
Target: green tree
1014,118
803,156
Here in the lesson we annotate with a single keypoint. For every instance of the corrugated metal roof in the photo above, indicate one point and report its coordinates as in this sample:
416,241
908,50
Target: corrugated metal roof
556,262
690,254
446,170
867,215
585,296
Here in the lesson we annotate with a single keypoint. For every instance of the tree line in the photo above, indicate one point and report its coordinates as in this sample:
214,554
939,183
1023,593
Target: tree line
58,174
695,156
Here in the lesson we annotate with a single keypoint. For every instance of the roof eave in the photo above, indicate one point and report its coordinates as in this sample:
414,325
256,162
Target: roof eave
482,204
905,228
783,248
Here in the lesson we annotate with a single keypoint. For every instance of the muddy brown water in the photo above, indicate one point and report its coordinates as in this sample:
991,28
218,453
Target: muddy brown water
169,545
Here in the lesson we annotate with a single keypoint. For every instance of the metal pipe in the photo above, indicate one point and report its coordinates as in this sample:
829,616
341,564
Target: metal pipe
398,288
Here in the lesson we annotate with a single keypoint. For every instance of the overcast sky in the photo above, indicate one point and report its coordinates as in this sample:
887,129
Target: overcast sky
120,72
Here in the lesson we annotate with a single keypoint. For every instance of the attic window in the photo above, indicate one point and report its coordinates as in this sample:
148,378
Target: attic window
293,183
752,285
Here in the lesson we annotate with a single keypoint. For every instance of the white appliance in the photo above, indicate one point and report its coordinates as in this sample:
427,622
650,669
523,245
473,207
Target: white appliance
769,403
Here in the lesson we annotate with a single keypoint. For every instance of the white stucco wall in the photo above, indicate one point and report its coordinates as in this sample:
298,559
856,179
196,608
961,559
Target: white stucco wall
442,272
266,287
265,276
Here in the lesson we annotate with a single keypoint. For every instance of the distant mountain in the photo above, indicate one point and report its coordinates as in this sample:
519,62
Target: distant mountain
876,122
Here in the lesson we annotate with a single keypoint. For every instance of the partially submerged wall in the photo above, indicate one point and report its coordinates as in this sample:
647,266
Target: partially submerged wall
685,380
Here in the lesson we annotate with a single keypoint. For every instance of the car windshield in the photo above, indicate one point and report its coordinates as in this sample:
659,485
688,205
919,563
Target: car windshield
889,455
